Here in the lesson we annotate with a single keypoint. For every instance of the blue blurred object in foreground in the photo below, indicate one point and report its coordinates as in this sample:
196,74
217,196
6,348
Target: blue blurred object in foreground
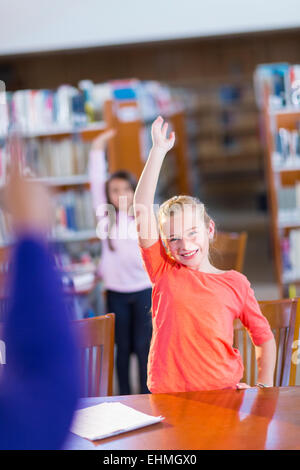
40,382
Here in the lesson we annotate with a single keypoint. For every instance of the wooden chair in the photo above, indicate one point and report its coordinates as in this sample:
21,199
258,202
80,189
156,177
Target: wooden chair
96,338
281,315
228,250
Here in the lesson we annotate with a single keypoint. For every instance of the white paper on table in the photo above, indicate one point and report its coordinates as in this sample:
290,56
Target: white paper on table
109,419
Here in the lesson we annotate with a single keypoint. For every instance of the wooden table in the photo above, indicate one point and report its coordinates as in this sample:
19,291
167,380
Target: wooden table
249,419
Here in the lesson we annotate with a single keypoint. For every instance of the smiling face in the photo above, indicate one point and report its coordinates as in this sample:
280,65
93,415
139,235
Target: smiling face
187,236
120,193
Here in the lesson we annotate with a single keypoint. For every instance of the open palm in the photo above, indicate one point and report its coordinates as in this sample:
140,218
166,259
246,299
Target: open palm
159,135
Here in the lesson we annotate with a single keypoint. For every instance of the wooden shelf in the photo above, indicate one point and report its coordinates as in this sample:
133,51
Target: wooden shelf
74,180
289,177
124,151
59,132
287,119
82,235
70,236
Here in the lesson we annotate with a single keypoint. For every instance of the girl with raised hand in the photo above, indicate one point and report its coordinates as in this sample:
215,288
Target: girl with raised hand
194,304
127,286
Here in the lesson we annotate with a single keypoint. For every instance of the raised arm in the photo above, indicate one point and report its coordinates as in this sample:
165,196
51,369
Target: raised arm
96,167
145,191
40,382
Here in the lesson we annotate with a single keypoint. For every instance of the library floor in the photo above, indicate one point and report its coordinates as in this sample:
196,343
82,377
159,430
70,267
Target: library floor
258,261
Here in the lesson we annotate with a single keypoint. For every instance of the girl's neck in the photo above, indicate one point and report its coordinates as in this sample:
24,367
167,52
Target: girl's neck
207,267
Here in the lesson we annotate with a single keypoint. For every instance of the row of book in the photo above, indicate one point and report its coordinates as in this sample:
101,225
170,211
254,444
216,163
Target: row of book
44,158
57,158
288,198
287,148
38,111
41,111
290,249
281,81
153,98
74,212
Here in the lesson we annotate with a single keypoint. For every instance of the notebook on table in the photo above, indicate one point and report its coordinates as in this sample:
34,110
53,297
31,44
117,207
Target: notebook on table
109,419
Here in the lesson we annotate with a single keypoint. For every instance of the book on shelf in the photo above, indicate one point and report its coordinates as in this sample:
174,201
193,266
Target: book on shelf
74,212
288,198
290,253
286,148
289,216
283,83
152,97
65,157
43,111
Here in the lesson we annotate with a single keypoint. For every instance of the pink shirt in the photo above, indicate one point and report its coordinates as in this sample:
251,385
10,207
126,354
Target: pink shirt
122,269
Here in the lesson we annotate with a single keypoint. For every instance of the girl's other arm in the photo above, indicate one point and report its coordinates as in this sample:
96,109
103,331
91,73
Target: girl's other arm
262,338
266,359
145,191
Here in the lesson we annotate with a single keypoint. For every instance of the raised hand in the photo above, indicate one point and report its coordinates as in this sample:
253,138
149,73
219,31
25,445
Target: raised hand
100,142
159,135
28,203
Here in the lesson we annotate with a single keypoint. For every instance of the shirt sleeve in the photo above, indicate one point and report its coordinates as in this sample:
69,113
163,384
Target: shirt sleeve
156,261
253,319
40,382
97,177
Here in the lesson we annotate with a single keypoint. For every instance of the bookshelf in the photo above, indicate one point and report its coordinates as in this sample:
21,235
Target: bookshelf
57,147
281,125
223,123
57,128
131,112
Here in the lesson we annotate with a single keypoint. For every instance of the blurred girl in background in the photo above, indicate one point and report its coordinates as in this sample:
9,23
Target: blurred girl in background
128,289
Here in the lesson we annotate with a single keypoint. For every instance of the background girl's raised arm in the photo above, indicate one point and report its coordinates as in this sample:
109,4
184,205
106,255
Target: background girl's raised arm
97,167
145,191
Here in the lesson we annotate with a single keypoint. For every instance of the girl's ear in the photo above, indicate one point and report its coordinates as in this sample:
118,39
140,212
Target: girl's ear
211,230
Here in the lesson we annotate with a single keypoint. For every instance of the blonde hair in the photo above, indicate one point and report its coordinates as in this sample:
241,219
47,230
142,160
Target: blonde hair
176,204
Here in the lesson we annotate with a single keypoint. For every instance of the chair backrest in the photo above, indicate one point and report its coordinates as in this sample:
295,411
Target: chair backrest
228,250
281,315
96,336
